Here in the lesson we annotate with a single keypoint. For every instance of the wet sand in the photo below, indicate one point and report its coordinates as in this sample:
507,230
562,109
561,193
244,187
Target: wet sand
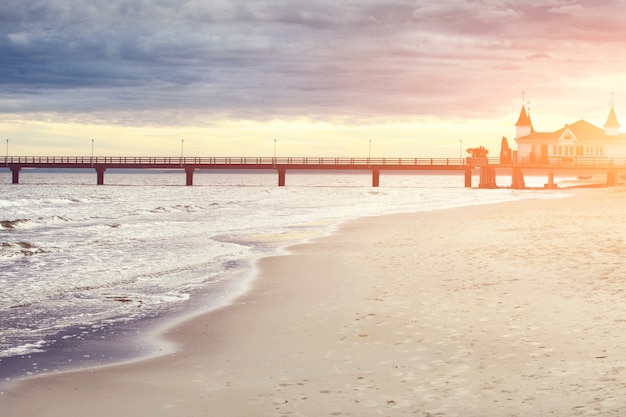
502,310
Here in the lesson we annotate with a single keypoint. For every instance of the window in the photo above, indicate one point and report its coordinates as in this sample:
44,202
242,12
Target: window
594,151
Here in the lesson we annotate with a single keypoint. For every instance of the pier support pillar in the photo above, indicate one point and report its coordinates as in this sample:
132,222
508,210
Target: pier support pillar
487,177
282,173
550,185
189,176
517,179
468,177
100,175
16,174
611,178
375,177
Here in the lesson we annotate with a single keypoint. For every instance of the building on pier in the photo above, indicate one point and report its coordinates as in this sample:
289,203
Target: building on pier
577,140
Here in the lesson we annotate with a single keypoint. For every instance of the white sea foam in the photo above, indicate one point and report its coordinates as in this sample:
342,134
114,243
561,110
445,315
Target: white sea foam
76,254
24,349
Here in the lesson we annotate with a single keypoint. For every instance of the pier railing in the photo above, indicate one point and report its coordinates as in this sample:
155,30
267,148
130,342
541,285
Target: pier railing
244,161
146,161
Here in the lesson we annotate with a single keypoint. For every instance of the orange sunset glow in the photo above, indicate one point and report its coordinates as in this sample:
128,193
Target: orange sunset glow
422,78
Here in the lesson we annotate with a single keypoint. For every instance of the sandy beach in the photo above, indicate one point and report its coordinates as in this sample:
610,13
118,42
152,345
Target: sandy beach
514,309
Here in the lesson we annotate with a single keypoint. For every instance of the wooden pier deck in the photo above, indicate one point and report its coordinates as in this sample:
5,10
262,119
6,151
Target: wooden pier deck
283,164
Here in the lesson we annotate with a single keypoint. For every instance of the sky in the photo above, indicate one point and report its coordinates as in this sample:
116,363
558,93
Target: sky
379,78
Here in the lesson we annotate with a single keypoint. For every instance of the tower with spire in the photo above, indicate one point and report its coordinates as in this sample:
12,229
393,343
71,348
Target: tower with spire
611,127
524,126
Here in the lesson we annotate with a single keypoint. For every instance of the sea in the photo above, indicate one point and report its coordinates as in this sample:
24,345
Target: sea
90,273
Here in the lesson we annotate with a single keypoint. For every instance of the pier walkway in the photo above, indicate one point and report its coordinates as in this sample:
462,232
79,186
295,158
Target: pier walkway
281,165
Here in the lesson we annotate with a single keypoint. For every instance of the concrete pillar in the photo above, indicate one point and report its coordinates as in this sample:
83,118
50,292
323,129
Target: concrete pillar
468,177
100,175
517,179
375,178
487,177
550,184
189,176
611,178
16,174
282,173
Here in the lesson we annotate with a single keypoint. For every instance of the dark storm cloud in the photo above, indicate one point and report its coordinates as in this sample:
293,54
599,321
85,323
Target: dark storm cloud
264,59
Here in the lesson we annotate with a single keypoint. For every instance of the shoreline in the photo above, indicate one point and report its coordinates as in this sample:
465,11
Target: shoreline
135,340
382,315
80,348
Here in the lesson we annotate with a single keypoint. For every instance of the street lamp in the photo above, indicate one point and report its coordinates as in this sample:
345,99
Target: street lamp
182,146
460,151
274,157
6,159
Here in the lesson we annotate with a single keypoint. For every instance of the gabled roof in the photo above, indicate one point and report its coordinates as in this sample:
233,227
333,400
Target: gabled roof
582,130
612,120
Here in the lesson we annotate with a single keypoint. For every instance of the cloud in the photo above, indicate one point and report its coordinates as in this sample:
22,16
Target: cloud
184,61
567,9
539,55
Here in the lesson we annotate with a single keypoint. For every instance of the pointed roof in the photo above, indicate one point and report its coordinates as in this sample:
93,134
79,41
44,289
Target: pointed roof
524,119
612,120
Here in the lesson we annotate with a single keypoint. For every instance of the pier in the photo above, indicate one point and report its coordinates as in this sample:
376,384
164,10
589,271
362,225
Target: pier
466,166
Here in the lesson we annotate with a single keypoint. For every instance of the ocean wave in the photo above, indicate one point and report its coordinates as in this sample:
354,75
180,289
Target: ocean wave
12,224
24,349
25,223
177,208
188,208
28,202
12,249
15,203
54,219
147,299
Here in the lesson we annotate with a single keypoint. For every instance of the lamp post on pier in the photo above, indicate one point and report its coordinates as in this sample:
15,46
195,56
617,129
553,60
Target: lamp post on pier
369,153
91,160
6,158
182,151
274,157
